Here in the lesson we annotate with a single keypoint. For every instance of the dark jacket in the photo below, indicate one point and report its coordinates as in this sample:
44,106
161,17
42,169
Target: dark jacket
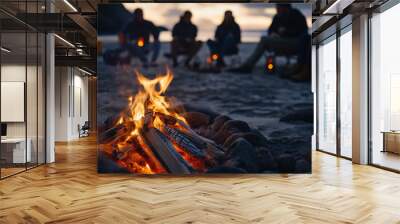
224,30
135,30
293,23
183,30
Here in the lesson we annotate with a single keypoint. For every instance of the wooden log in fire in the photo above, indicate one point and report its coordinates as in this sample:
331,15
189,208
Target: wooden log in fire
186,129
121,153
169,120
213,153
166,152
183,141
148,153
112,134
121,150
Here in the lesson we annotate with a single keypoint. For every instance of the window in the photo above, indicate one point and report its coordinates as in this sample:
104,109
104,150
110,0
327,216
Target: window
327,96
346,93
385,89
334,106
22,77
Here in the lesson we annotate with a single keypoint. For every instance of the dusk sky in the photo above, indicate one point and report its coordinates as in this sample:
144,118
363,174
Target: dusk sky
254,18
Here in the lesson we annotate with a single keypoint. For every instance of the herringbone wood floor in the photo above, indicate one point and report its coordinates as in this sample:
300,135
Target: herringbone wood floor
70,191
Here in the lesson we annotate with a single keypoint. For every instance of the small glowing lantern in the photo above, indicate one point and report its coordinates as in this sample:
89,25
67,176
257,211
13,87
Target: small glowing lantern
140,42
270,65
214,57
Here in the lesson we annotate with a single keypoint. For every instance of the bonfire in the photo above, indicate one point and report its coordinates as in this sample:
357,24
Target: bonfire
152,135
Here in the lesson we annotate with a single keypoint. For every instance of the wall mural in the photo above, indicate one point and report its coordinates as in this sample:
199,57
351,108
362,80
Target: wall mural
222,88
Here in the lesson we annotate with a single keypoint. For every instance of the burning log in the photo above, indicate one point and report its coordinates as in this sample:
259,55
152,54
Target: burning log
166,118
152,136
186,129
112,134
166,152
121,153
211,151
180,139
148,153
208,146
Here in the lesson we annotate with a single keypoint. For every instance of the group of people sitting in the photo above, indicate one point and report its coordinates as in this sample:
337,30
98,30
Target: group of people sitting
288,34
184,33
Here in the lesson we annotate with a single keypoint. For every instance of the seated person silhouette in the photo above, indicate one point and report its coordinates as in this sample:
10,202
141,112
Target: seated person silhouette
227,39
136,37
288,33
184,42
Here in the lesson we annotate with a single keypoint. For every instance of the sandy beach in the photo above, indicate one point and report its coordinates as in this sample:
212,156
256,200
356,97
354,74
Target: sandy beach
279,108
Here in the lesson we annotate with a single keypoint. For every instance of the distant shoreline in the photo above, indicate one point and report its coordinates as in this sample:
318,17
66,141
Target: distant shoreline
114,39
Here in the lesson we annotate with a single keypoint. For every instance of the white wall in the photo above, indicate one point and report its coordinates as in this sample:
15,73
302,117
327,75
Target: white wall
16,73
62,81
12,73
33,127
80,110
71,102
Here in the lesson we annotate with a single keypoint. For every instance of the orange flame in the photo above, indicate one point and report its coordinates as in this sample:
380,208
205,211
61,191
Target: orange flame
149,103
151,99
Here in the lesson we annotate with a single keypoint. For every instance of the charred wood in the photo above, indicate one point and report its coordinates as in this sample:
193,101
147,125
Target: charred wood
153,159
112,134
166,152
183,141
121,153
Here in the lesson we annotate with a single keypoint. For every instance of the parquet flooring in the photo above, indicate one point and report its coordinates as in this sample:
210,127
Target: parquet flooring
71,191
